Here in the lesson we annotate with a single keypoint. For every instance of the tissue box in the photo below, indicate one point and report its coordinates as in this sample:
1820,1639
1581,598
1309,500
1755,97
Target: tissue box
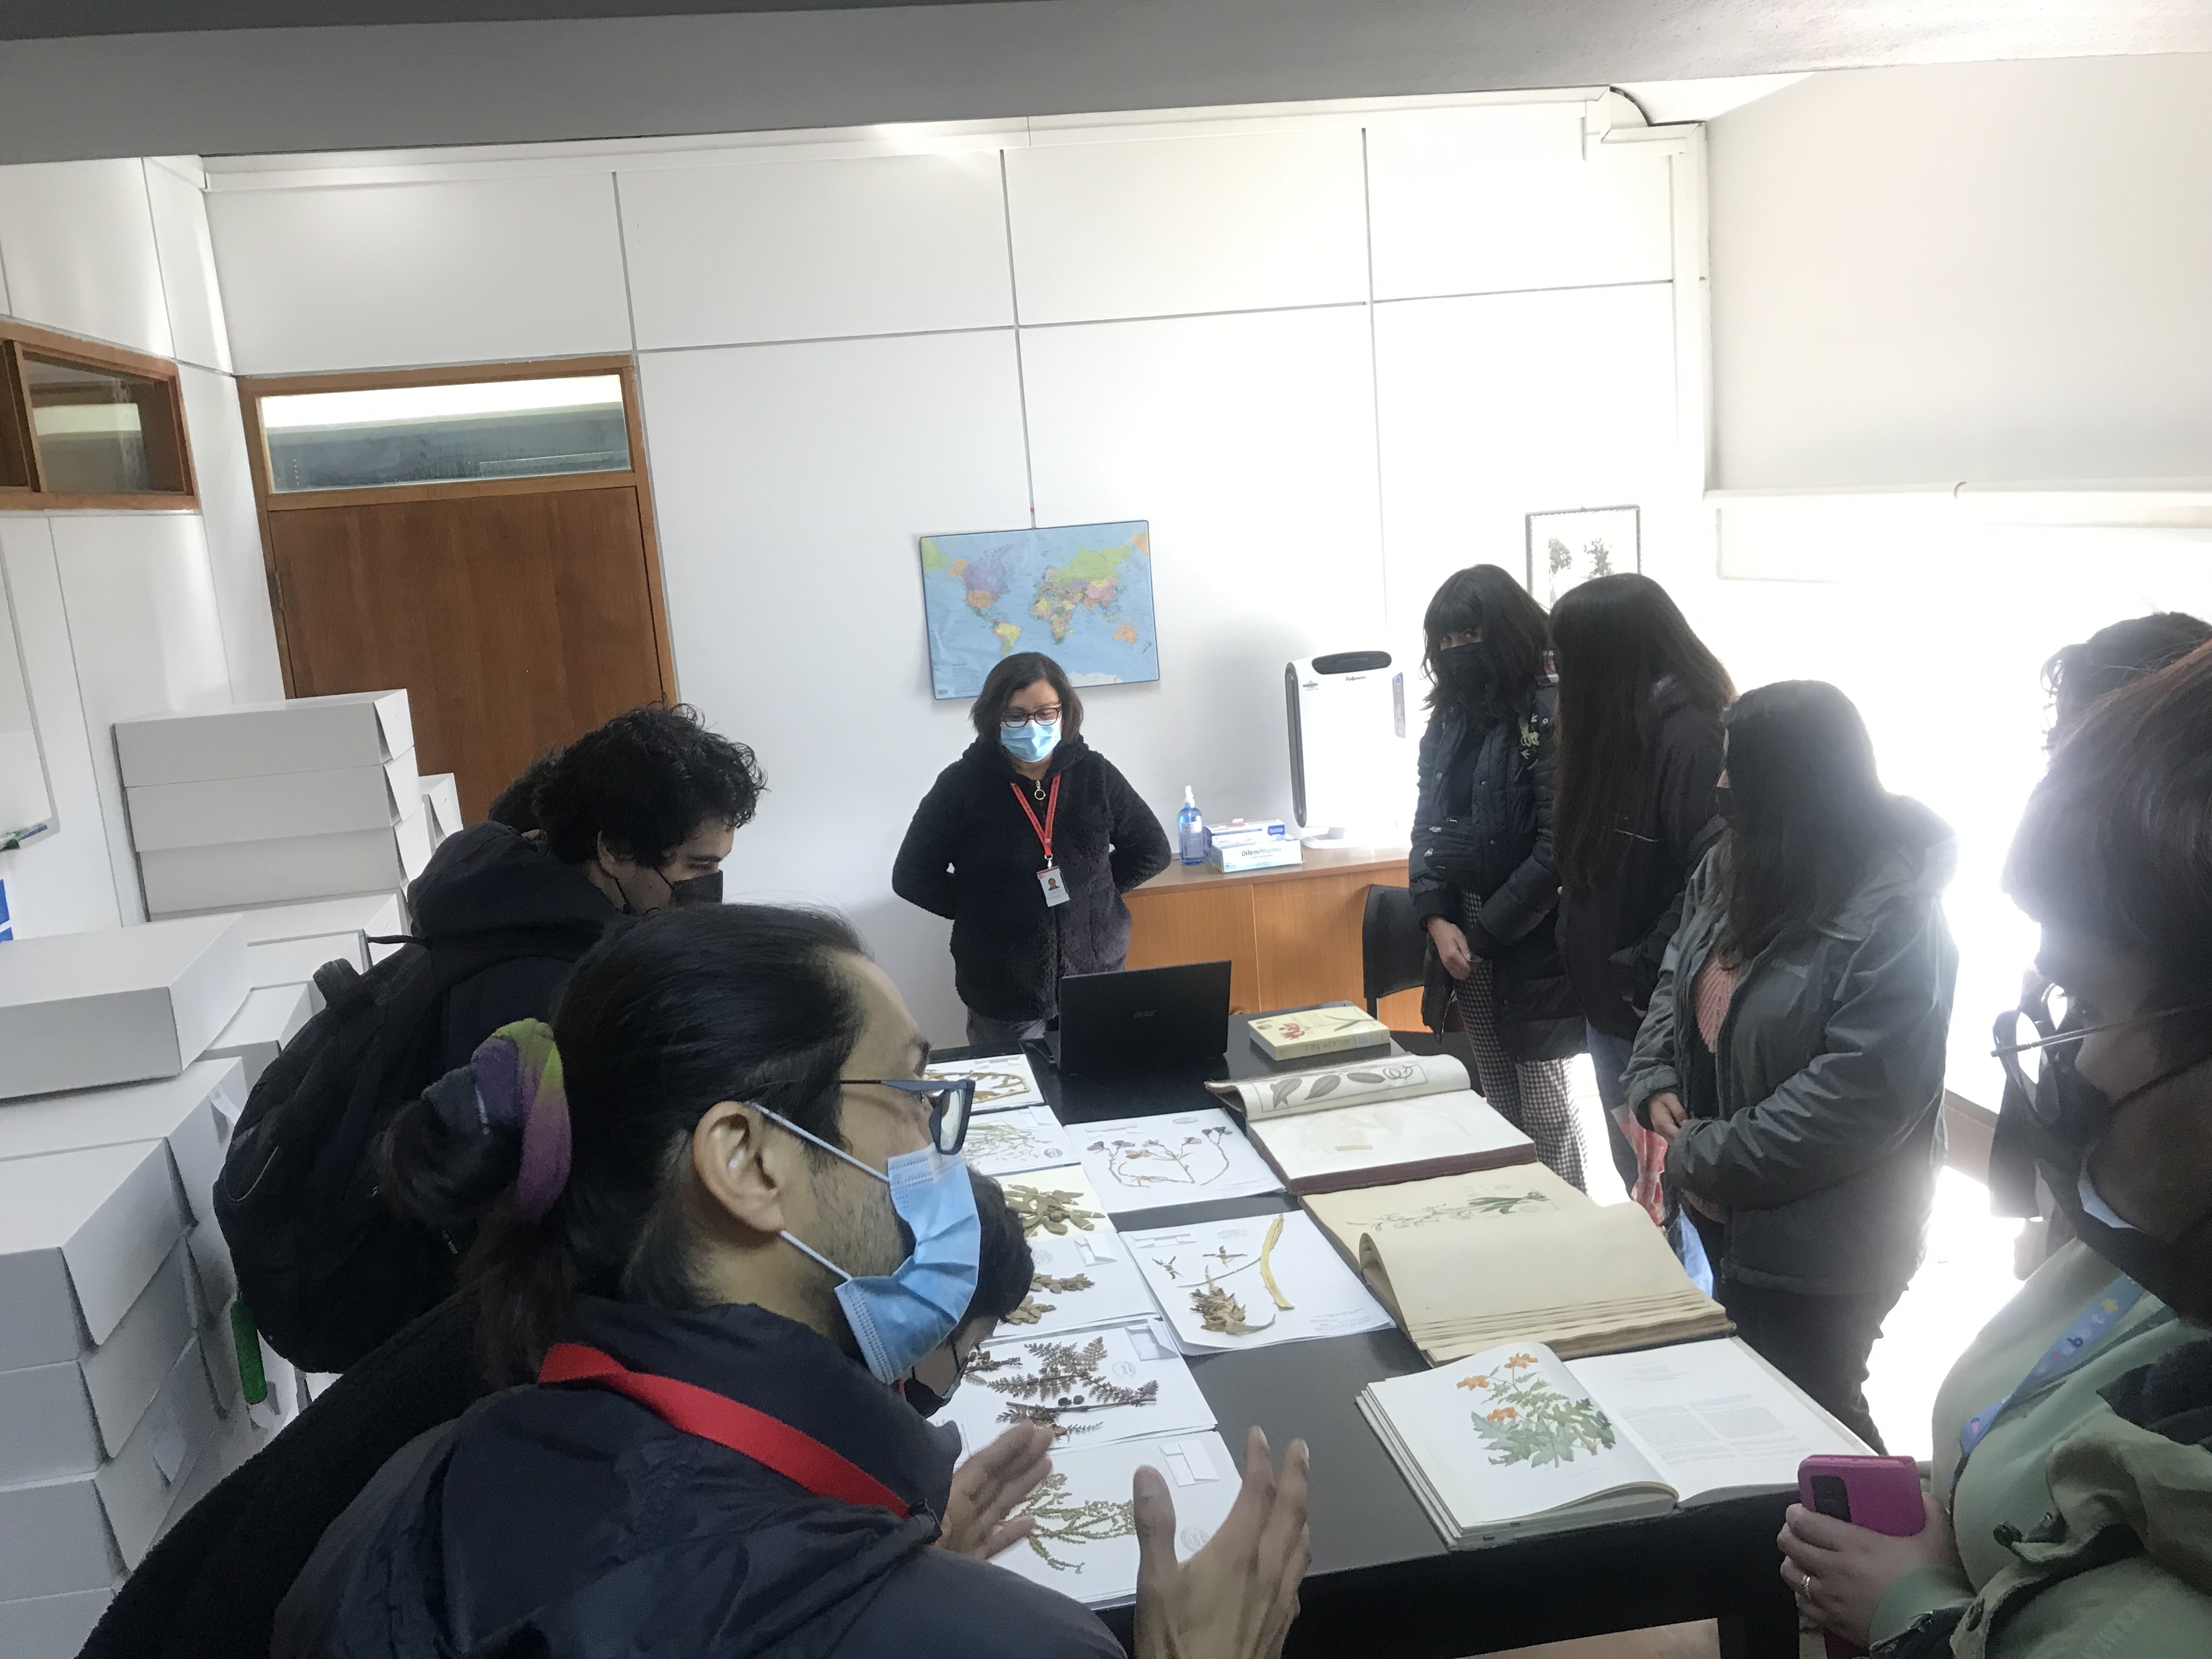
81,1011
1261,852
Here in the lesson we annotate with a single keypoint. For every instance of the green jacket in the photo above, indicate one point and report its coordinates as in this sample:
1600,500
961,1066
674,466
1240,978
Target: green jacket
2079,1533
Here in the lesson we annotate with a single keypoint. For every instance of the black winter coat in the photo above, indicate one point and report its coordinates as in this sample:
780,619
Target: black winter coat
1614,936
971,854
1483,826
574,1523
490,879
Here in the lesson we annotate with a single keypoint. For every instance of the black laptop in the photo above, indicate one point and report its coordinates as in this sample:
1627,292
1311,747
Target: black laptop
1143,1019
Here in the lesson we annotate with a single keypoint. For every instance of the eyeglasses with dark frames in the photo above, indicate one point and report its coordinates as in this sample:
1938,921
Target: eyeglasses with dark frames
949,1100
1015,718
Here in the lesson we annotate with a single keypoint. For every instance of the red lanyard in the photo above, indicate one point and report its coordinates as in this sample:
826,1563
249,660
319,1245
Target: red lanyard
767,1440
1051,810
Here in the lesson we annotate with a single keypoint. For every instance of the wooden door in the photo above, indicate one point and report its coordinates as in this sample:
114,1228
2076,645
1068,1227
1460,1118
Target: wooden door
516,620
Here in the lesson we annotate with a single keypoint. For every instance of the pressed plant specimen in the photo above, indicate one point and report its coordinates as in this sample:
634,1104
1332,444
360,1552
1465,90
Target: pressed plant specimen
1063,1519
1043,1210
1059,1379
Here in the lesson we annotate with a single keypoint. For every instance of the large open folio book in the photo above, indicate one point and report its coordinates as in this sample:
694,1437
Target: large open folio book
1398,1117
1470,1261
1515,1440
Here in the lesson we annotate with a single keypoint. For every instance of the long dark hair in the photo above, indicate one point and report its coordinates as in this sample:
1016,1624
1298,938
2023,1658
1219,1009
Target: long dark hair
1811,817
1485,599
1011,675
2116,839
1615,638
664,1016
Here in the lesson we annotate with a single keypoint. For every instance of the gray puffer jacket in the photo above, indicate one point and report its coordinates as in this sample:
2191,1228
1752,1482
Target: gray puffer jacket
1829,1129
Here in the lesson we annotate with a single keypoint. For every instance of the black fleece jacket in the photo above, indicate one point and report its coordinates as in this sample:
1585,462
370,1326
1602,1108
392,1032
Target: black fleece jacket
971,854
488,879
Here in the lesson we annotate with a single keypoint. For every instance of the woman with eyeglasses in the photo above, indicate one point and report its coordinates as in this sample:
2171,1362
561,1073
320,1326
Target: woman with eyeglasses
722,1219
2072,1476
1026,844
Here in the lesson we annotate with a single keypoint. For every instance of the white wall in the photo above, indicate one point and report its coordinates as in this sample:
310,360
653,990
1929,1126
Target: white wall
125,613
1304,346
1987,271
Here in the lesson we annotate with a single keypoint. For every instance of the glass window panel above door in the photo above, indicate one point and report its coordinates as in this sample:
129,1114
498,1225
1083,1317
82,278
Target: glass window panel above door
428,435
101,431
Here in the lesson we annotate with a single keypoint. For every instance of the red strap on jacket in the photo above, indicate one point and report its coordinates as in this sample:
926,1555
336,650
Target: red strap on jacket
767,1440
1051,811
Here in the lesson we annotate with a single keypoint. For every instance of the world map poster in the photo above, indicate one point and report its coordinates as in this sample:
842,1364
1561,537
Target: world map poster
1081,593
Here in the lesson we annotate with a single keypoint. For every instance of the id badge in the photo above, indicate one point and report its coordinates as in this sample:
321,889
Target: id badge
1054,884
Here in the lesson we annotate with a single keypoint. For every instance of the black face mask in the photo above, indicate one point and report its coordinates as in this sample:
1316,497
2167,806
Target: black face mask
1467,672
1724,806
925,1399
2068,1118
699,889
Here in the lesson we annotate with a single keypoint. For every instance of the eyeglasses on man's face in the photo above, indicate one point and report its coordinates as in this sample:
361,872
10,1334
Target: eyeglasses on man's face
1014,719
949,1100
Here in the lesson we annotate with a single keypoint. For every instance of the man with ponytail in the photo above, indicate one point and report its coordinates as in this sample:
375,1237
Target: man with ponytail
719,1219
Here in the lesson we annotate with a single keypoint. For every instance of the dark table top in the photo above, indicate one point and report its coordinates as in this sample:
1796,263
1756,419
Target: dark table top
1382,1580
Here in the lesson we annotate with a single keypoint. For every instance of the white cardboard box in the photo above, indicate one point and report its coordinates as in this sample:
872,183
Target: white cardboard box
272,1017
51,1626
81,1234
286,943
256,739
258,872
68,1418
271,808
83,1532
443,792
190,1112
81,1011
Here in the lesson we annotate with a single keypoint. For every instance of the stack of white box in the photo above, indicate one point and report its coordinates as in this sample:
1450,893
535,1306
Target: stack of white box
120,1391
441,793
269,802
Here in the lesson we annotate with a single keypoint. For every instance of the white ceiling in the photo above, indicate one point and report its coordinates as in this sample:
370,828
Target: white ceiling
260,91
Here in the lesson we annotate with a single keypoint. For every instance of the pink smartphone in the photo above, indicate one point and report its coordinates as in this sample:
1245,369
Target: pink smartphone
1881,1494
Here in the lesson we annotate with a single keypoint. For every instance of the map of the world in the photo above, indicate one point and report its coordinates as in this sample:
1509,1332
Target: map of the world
1081,593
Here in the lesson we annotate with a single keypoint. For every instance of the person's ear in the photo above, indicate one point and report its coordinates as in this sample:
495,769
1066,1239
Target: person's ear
611,859
743,1172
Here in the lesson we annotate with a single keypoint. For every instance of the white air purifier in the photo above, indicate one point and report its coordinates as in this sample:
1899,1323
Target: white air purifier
1352,767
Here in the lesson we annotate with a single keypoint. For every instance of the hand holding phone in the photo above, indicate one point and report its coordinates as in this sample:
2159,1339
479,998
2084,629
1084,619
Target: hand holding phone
1881,1494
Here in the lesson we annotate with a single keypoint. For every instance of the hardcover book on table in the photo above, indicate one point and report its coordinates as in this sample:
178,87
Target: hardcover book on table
1515,1440
1325,1030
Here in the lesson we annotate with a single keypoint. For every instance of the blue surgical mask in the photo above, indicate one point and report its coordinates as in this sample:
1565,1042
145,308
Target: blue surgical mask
1032,741
898,1318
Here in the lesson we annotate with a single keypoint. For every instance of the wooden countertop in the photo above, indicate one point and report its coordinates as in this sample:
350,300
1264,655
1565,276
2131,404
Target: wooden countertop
1318,862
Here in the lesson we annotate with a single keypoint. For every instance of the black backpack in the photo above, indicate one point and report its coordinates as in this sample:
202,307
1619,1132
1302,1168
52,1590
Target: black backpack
327,1268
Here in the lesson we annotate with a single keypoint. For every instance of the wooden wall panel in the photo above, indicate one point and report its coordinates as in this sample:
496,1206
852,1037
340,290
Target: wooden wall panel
1199,924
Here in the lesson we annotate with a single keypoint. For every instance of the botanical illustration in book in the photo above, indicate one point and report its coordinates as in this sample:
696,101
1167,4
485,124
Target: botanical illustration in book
1464,1209
1524,1419
1375,1078
1150,1163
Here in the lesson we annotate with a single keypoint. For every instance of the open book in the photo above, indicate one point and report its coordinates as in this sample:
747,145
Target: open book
1516,1440
1469,1260
1397,1117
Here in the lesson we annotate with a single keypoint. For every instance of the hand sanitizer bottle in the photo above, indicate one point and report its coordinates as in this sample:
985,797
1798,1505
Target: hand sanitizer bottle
1190,829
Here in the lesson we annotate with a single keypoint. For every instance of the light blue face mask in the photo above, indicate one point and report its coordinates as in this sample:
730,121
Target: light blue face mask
898,1318
1031,741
